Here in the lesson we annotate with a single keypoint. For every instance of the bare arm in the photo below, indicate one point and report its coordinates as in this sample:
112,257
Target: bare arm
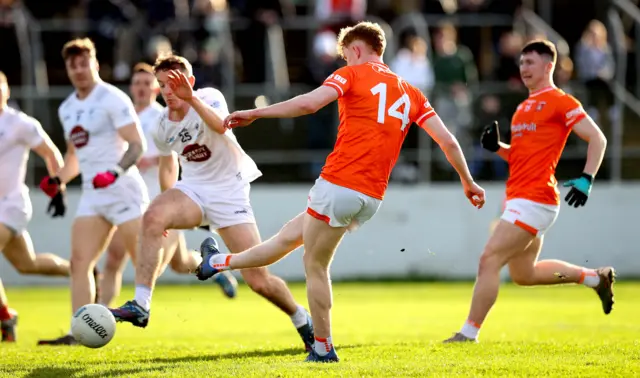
50,154
307,103
449,145
588,131
71,168
504,151
208,114
137,145
168,171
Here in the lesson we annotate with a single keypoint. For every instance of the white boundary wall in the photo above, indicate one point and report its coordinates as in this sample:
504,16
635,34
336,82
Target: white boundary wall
442,235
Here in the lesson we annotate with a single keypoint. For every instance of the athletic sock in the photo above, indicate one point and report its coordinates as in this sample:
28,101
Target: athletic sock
4,313
220,261
322,346
143,296
589,278
299,318
470,329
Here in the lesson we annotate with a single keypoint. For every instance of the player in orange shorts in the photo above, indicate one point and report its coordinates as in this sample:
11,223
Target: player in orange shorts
539,130
376,109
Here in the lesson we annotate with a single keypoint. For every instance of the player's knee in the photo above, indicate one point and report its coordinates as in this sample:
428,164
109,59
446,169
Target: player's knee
113,263
489,262
154,221
258,282
521,278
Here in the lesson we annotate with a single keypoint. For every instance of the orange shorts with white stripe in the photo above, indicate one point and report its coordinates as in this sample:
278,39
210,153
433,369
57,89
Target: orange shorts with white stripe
533,217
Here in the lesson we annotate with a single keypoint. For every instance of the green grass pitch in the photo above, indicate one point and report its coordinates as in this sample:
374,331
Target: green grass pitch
380,329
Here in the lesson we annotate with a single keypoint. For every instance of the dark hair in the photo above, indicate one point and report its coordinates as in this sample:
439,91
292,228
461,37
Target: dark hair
172,62
542,47
143,67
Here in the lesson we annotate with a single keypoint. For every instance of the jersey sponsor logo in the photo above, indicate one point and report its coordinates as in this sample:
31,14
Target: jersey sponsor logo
518,129
79,136
196,153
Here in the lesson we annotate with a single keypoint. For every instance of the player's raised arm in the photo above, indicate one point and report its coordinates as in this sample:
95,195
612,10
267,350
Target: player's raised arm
588,131
434,126
307,103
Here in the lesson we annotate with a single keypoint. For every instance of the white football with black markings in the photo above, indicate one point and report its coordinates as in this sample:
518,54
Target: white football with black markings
93,325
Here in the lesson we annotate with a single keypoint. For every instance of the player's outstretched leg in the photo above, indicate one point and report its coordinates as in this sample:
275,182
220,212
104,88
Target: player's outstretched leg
506,241
170,210
526,270
187,262
8,318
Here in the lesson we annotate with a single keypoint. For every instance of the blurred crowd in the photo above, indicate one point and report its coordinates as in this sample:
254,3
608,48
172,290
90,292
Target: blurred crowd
448,67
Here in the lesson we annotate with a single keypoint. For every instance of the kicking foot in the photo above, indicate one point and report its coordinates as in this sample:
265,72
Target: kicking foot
605,288
306,334
131,312
208,248
332,356
64,340
227,282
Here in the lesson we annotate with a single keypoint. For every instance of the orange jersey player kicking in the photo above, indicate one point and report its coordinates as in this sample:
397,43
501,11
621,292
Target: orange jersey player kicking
539,130
376,109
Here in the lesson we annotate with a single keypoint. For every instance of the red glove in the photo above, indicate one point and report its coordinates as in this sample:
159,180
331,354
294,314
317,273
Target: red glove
104,179
50,186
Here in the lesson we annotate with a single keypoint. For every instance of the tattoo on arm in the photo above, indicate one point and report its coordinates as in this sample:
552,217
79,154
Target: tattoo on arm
133,154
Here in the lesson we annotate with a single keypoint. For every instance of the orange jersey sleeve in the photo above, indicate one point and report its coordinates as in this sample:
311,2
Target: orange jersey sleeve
376,108
539,131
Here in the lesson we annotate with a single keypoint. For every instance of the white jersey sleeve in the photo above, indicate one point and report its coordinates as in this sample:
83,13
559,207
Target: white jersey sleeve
160,141
215,99
121,110
31,131
149,119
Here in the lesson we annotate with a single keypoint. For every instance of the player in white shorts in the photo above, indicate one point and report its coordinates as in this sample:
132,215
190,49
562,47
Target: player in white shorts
20,133
104,143
214,190
144,91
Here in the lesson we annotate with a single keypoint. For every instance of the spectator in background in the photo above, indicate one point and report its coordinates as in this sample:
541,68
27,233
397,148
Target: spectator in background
412,64
157,46
596,67
336,14
9,42
563,75
489,111
508,68
208,67
211,17
324,60
455,70
262,14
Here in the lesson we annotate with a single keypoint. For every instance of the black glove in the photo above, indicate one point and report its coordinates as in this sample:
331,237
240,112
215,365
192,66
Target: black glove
490,138
57,206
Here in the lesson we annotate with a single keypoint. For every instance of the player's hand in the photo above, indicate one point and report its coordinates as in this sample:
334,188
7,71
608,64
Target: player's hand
179,84
50,186
580,190
475,194
490,138
57,206
104,179
240,119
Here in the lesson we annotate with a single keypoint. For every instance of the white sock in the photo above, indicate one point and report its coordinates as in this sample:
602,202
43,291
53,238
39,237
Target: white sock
299,318
470,330
143,296
589,278
323,346
220,261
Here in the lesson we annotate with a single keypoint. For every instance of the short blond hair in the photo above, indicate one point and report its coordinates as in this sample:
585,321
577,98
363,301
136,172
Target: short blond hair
143,67
77,47
172,62
367,32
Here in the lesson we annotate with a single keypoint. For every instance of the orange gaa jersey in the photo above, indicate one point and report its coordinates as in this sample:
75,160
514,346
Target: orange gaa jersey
376,108
539,131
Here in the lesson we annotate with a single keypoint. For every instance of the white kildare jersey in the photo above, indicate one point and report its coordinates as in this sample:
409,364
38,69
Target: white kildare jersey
19,133
206,156
149,119
92,126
